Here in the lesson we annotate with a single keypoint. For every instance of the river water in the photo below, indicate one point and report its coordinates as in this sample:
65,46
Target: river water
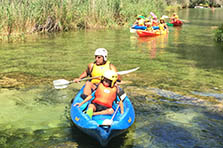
177,93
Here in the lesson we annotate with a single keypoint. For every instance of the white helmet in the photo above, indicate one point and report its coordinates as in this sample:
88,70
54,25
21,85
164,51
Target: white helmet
101,52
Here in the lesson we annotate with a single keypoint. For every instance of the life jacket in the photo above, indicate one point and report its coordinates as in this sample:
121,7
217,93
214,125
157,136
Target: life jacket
98,70
176,17
154,23
141,22
162,27
105,95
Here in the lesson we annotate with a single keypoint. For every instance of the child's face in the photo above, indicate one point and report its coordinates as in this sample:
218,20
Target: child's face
107,82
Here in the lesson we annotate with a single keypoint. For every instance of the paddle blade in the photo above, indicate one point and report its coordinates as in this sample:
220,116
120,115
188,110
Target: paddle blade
169,24
60,86
132,30
165,16
61,83
107,122
128,71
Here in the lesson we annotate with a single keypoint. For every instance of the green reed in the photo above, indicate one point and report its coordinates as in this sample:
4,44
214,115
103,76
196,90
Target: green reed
21,16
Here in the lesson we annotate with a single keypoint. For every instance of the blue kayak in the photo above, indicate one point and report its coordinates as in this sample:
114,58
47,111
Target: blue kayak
94,127
139,27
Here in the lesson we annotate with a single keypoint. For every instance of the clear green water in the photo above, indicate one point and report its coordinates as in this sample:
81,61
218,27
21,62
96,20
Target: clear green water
177,93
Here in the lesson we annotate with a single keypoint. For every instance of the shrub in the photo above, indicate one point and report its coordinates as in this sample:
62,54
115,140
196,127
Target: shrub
219,34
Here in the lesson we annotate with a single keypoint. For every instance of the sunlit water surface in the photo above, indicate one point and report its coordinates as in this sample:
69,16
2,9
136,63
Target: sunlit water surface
177,93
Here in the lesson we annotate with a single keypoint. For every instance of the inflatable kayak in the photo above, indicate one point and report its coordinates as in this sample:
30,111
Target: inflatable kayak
139,27
95,127
143,33
175,23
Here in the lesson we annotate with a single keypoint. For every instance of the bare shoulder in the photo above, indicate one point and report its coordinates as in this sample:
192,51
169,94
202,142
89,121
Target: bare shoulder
113,67
90,65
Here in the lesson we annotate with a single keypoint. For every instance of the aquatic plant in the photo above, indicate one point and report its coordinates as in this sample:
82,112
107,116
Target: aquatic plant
29,16
219,34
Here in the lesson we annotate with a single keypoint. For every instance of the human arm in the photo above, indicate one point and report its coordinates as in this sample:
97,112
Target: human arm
166,27
122,95
121,107
86,100
84,74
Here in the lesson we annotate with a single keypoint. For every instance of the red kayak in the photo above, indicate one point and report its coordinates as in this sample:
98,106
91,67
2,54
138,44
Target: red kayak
143,33
177,23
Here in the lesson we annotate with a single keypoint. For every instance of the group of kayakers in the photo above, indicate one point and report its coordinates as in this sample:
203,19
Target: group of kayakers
102,85
151,23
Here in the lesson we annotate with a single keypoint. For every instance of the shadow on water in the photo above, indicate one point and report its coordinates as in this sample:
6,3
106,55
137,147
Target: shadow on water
211,128
166,133
85,141
170,124
204,57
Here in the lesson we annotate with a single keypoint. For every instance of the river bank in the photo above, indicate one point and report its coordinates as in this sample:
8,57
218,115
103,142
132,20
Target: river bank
20,19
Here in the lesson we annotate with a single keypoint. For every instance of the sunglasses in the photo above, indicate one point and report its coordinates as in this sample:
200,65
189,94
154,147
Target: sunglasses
107,81
98,57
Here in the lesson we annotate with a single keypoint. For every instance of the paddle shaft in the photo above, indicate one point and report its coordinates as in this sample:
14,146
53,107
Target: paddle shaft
115,112
61,83
109,122
84,79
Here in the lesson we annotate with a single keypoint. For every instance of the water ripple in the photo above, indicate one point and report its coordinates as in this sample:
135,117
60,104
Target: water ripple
177,98
206,94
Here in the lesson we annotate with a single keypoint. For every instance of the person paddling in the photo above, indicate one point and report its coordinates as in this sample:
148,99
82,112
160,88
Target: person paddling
174,18
96,69
105,95
139,21
162,25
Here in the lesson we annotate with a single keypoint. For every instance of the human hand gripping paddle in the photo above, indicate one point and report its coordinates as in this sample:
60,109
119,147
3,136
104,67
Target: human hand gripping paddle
62,83
108,122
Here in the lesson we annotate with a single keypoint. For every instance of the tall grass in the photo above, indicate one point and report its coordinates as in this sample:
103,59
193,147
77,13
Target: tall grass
21,16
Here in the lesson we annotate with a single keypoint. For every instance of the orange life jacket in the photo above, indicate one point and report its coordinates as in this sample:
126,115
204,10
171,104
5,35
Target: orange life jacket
154,23
105,95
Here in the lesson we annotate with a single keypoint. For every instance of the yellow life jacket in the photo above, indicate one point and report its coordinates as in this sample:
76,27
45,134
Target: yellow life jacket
141,22
176,17
105,95
162,27
98,70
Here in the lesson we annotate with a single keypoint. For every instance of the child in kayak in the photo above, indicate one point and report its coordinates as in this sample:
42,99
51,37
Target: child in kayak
105,95
148,24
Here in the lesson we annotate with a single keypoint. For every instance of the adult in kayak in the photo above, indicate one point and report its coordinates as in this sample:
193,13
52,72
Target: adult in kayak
174,17
96,69
105,95
139,21
162,25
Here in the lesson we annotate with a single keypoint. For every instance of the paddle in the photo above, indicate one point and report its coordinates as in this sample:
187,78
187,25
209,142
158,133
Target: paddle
169,24
62,83
108,122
